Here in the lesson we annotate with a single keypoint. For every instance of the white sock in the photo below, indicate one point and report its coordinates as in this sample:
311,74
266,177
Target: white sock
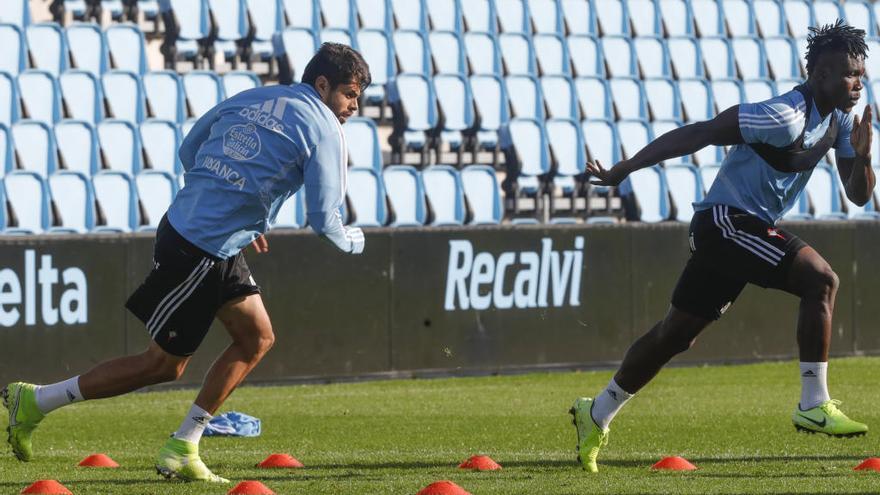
193,425
51,397
607,403
814,384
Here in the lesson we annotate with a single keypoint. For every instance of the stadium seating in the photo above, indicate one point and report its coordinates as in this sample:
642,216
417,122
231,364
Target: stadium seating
445,195
302,14
117,200
231,20
127,48
28,199
160,140
293,48
6,148
406,195
10,105
379,54
74,201
480,187
124,95
567,143
47,47
479,16
81,92
490,101
88,48
414,104
35,147
528,157
362,139
445,15
120,146
456,105
164,94
237,81
40,96
525,96
409,15
16,12
292,213
13,58
366,194
203,91
586,56
649,189
447,52
685,187
155,190
77,146
560,97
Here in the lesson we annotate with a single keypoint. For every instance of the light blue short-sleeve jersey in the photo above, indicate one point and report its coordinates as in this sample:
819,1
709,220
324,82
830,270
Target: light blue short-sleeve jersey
749,183
251,152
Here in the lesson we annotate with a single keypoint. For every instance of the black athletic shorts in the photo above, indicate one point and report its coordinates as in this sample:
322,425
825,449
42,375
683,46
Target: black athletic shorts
179,298
730,248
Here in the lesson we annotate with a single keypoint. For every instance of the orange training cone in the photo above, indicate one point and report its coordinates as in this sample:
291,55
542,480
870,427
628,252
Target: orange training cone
47,487
674,463
869,464
443,488
98,461
280,461
480,463
250,488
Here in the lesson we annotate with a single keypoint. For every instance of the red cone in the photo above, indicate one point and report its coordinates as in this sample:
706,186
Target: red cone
869,464
250,488
47,487
480,463
280,461
443,488
674,463
98,461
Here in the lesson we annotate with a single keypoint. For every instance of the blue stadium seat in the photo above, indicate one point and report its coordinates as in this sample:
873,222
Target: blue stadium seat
267,18
708,173
649,189
612,17
376,50
13,57
160,140
740,17
445,195
337,35
480,187
339,14
74,202
561,97
528,156
546,16
47,47
708,17
127,48
586,56
490,99
727,93
411,49
374,14
156,191
88,48
35,146
82,96
302,14
686,57
483,53
124,95
552,55
16,12
164,93
203,91
782,58
513,16
447,52
3,220
696,98
579,17
10,104
652,57
799,15
117,199
409,15
525,97
645,17
28,199
187,28
826,12
718,57
40,96
664,102
366,194
231,20
770,18
677,18
457,106
629,98
6,147
362,139
859,15
619,56
414,105
569,151
825,194
751,62
479,16
120,146
292,213
634,135
77,146
445,15
406,194
685,187
602,141
294,47
758,90
235,82
594,95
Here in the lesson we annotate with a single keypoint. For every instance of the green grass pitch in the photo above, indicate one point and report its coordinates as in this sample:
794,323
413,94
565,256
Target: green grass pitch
396,437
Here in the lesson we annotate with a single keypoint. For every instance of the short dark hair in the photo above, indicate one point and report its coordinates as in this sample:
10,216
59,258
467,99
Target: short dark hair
340,64
837,37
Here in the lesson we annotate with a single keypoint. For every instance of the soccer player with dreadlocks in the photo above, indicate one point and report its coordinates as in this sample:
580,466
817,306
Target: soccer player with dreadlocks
734,240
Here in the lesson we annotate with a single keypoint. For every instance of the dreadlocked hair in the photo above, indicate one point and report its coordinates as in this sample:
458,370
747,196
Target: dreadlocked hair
837,37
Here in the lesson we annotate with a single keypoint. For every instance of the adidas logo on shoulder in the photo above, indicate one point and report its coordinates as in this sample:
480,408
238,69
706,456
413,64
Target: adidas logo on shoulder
267,114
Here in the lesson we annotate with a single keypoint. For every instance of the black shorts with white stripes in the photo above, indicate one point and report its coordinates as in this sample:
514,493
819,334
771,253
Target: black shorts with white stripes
182,293
730,248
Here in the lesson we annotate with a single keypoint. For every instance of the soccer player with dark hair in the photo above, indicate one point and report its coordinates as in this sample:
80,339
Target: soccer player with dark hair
734,239
242,159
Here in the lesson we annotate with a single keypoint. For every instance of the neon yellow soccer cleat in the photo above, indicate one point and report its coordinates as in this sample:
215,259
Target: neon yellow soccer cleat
590,437
180,459
24,416
828,419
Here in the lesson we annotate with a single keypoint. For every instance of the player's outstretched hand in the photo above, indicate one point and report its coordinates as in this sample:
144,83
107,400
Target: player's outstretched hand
862,132
356,236
610,177
260,245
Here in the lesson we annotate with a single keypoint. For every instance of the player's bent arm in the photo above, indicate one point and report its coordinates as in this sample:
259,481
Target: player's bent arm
197,135
857,177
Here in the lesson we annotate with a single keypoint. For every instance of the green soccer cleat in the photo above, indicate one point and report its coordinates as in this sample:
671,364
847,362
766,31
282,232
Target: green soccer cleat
21,401
828,419
180,459
590,437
